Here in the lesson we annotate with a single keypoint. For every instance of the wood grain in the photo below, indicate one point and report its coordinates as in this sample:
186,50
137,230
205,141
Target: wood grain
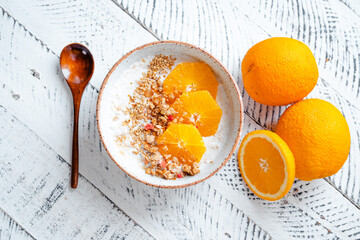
331,33
228,29
9,229
314,204
223,205
161,213
102,27
43,200
353,5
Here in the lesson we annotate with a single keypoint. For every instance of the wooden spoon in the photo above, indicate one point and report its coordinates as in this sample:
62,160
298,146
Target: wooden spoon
77,66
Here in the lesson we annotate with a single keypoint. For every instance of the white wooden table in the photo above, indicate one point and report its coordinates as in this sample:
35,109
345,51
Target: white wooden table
36,201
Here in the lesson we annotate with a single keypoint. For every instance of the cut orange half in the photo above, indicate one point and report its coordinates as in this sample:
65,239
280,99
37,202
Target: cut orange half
182,141
199,109
187,77
267,164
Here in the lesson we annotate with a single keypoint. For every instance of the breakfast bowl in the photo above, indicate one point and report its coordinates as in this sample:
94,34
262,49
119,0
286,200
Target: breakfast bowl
113,105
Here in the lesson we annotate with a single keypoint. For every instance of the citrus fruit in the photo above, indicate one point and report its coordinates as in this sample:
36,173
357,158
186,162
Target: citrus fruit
318,135
188,77
182,141
266,164
200,109
279,71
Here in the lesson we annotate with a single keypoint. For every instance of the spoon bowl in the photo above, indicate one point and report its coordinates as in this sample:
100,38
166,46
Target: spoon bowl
77,66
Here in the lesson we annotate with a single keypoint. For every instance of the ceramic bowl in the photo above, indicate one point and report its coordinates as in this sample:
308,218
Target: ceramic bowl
231,105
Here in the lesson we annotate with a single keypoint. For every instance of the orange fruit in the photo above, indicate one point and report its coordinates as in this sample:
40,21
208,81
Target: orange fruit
266,164
318,135
200,109
188,77
279,71
182,141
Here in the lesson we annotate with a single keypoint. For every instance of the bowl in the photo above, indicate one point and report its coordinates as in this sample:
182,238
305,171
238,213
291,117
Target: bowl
228,98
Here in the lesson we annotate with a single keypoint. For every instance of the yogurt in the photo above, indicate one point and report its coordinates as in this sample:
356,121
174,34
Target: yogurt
115,114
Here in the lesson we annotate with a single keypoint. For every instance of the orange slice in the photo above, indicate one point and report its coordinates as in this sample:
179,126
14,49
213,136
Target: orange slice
266,164
200,109
182,141
188,77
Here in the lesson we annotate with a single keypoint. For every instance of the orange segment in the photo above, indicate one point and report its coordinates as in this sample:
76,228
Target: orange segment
266,164
182,141
188,77
200,109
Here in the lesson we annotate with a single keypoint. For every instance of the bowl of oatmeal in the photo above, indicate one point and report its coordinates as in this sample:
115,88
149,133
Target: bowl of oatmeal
169,114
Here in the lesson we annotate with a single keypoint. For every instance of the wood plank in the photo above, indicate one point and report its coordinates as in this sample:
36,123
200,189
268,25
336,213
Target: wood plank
103,28
116,185
10,229
45,205
273,221
353,5
329,28
38,196
349,173
28,88
180,198
228,29
347,179
315,199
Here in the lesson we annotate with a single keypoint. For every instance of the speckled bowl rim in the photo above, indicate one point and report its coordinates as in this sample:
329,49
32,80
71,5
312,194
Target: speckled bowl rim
218,62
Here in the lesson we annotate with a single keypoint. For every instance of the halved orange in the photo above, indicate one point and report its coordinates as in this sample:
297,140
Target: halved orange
200,109
267,164
188,77
182,141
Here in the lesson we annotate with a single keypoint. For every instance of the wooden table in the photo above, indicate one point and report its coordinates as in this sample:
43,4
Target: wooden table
36,200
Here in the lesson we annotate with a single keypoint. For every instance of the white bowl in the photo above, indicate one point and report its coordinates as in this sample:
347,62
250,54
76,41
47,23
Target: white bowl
230,102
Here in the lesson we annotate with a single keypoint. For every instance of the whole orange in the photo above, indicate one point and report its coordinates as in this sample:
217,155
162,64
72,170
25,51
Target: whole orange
279,71
318,136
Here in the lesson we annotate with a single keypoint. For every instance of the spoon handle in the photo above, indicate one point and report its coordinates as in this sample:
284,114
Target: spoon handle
75,147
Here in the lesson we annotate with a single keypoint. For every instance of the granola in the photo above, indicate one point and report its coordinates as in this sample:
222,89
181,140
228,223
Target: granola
149,115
